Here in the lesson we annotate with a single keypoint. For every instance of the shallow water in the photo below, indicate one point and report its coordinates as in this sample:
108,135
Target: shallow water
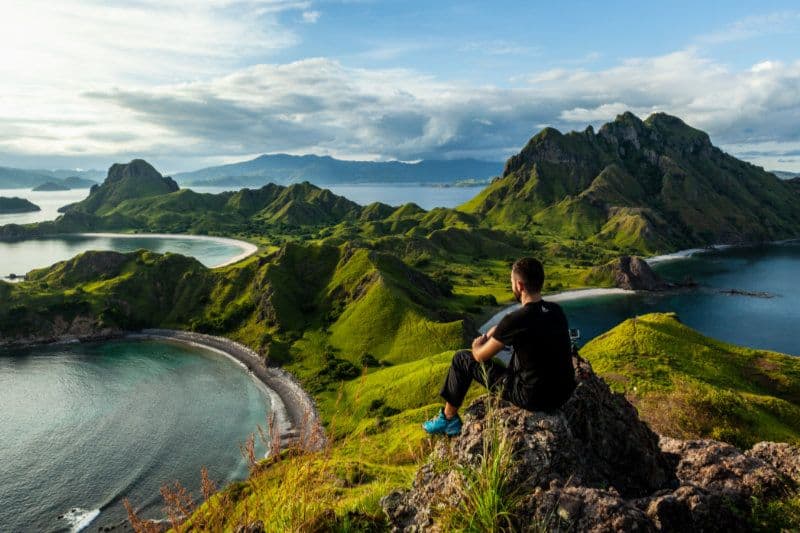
86,425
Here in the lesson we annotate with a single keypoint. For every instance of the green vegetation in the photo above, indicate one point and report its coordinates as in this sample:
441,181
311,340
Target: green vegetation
366,304
16,205
488,494
648,187
687,385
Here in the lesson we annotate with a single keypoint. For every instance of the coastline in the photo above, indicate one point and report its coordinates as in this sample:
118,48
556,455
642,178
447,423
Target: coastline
247,248
296,411
570,295
689,252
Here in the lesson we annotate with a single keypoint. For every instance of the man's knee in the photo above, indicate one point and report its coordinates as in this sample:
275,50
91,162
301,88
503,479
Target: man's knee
463,358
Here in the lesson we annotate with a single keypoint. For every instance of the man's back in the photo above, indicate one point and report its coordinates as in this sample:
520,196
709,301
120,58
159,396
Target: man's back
542,375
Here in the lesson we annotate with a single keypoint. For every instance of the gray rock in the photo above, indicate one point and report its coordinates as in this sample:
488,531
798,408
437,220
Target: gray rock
593,465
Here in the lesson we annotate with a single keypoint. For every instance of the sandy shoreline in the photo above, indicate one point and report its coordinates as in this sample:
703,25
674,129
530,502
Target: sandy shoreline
571,295
247,248
296,412
689,252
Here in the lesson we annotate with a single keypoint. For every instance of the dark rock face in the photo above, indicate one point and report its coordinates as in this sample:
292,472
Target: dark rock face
17,205
139,170
593,465
137,179
633,273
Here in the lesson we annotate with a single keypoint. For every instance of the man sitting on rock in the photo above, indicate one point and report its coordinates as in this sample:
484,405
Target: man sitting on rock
540,376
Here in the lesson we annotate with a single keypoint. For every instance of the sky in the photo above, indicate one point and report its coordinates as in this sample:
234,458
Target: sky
86,83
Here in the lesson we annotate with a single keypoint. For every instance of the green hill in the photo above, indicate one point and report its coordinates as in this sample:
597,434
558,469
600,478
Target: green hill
688,385
17,205
306,306
683,384
137,179
649,186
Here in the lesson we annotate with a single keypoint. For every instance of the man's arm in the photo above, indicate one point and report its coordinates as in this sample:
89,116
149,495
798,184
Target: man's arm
485,347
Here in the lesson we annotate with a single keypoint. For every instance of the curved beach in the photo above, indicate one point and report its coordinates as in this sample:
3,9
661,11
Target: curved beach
247,248
296,412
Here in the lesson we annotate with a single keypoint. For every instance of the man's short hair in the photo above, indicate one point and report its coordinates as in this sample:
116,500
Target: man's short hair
530,272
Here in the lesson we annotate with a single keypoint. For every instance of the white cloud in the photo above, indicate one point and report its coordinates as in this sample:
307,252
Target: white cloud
753,26
156,81
320,105
310,17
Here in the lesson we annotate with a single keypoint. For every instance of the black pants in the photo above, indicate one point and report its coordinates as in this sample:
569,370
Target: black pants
492,374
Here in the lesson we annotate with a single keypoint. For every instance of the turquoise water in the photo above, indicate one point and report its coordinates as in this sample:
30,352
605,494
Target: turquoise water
86,425
764,323
19,257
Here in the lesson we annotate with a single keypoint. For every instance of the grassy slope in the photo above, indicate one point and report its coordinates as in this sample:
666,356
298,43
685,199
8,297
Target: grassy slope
682,382
688,385
711,388
339,287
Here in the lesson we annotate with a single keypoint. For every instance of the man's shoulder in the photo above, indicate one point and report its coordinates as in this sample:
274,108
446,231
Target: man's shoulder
552,306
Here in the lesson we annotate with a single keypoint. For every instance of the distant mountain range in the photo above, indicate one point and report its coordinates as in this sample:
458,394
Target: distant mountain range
633,186
782,174
323,170
19,178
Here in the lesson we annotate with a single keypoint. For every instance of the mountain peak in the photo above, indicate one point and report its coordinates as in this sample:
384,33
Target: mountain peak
629,117
137,169
125,181
676,132
641,185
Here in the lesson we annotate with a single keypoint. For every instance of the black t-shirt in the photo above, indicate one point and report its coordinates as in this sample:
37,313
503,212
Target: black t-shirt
541,373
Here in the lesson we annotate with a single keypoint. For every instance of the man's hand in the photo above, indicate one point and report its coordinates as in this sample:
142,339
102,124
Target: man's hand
485,347
479,341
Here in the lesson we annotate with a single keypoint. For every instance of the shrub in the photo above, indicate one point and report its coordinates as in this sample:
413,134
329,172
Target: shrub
369,360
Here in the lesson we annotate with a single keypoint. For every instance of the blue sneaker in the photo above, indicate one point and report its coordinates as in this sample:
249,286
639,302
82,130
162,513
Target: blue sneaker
440,425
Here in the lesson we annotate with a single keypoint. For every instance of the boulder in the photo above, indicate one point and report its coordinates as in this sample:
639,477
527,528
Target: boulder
630,273
593,465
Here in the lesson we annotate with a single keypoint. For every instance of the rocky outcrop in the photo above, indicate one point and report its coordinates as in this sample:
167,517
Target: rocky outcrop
60,328
593,465
137,179
630,273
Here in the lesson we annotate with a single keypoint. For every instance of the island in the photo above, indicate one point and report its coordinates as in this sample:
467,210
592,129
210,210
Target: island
365,306
17,205
51,186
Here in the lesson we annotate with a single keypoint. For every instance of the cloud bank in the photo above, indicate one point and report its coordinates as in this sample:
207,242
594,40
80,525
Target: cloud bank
319,105
188,87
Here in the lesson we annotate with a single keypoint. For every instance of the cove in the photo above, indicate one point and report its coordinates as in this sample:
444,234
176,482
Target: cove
768,321
86,425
